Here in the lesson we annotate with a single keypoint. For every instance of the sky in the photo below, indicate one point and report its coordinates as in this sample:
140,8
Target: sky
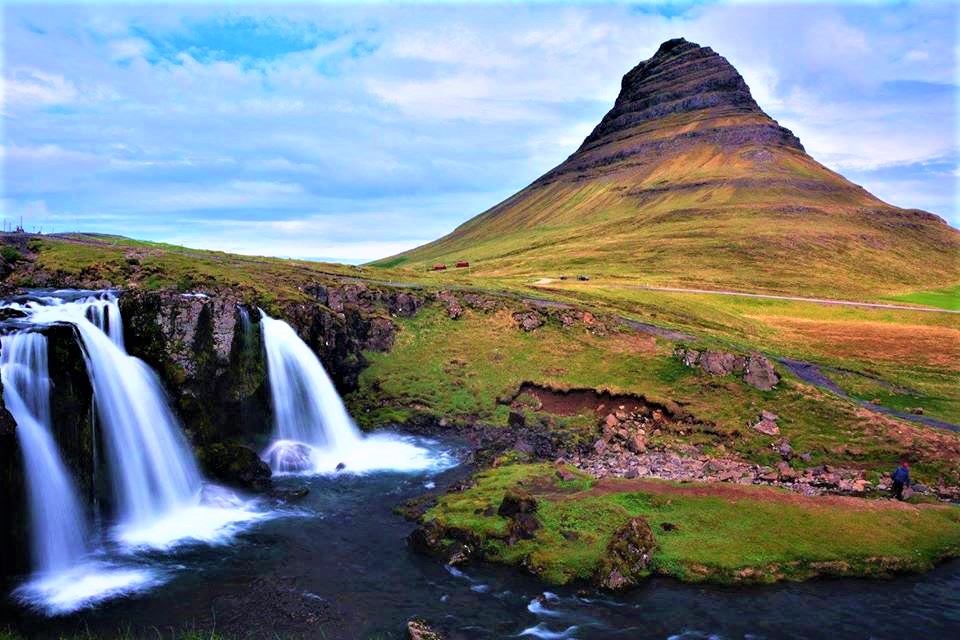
355,132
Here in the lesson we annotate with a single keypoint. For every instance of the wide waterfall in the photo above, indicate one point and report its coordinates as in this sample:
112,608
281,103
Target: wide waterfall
153,473
313,432
58,529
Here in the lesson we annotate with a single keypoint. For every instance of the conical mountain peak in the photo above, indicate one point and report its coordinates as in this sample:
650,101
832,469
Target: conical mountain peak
686,179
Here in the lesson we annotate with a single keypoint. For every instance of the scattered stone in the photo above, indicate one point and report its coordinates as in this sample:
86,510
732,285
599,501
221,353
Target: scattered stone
917,411
786,472
419,629
784,449
767,427
454,309
612,420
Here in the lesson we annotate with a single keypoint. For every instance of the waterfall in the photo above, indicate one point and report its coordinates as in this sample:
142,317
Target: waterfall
58,529
312,430
65,577
306,406
152,470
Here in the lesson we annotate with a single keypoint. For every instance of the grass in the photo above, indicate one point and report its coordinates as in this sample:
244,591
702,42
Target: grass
948,298
719,532
150,265
459,369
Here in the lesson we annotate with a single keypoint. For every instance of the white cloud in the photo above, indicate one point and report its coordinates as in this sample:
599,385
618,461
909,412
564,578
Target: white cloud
128,48
33,87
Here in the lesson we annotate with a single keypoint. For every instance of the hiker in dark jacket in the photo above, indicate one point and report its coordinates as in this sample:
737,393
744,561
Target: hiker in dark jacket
901,479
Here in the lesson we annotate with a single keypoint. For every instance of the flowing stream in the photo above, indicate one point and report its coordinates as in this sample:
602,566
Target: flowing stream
313,432
337,567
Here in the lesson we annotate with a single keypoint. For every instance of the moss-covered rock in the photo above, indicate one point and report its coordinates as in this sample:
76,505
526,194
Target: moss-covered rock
628,557
235,464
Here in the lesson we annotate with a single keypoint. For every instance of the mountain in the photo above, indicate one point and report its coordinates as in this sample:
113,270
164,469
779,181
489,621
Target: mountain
686,181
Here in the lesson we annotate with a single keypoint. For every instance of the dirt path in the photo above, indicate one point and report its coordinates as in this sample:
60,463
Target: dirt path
770,296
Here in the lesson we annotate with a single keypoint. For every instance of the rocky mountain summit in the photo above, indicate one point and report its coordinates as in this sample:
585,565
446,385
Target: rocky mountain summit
689,85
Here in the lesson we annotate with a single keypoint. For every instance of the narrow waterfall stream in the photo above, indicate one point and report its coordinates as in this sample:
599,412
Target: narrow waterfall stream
313,432
59,529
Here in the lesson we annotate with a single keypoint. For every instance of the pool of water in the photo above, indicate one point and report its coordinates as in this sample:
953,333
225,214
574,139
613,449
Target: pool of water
334,564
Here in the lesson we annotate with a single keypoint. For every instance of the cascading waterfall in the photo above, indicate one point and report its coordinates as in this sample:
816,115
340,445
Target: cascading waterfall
153,473
313,432
58,529
152,469
65,576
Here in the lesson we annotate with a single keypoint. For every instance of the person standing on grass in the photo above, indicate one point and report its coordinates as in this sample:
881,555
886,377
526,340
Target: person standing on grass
901,479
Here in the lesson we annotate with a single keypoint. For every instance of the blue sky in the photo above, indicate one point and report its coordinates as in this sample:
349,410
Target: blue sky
354,132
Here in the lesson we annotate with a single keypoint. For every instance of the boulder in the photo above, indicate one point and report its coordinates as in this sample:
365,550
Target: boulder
523,526
236,464
628,556
404,305
720,363
516,420
516,501
426,539
760,373
289,457
528,320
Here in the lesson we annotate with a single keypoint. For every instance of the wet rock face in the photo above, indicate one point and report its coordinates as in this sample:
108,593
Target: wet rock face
420,629
628,556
